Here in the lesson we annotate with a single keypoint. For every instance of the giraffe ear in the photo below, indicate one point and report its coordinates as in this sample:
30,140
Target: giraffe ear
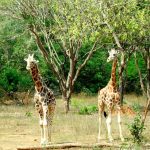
32,56
25,59
37,61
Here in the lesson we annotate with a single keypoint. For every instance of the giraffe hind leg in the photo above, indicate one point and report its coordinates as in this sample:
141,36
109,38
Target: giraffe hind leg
108,122
51,109
119,123
41,126
101,109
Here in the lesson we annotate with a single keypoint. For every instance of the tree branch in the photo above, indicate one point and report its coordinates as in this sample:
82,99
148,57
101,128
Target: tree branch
85,61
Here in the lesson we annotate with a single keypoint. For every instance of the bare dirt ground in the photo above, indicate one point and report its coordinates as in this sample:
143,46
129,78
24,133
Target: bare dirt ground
19,125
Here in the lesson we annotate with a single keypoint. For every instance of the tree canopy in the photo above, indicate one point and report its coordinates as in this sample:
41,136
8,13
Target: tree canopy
73,38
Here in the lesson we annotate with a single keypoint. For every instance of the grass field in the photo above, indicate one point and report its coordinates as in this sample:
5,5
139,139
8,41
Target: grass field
19,124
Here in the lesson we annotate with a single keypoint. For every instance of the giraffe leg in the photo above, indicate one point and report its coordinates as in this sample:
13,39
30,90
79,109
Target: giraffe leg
45,124
49,130
50,119
100,122
119,123
108,122
101,109
39,109
41,125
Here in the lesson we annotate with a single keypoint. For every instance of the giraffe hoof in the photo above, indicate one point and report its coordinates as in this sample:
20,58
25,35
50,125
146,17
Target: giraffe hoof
122,139
44,143
111,140
98,139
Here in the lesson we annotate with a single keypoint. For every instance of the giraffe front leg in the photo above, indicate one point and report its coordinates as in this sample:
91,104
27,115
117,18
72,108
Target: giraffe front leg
41,126
108,122
50,119
45,124
39,109
100,122
119,123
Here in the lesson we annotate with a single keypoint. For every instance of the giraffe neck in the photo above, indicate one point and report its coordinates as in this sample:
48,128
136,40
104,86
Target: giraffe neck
36,77
112,81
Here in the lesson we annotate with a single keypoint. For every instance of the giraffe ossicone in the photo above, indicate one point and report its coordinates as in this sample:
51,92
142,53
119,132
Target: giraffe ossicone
110,97
44,100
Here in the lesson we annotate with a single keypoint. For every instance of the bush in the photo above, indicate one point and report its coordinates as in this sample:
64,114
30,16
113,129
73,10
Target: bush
86,92
13,80
82,108
87,110
136,107
9,79
28,114
25,82
136,128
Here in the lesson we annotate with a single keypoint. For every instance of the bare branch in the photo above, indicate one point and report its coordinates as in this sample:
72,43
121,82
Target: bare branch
45,54
85,61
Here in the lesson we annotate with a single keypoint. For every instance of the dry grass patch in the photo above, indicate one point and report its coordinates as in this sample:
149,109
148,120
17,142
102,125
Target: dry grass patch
19,125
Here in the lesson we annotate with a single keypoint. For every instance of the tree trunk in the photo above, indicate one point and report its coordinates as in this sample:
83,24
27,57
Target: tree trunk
148,85
121,77
148,73
121,88
66,96
66,104
140,75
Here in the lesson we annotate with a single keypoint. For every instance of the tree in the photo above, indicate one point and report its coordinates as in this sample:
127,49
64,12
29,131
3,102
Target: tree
122,22
61,29
143,48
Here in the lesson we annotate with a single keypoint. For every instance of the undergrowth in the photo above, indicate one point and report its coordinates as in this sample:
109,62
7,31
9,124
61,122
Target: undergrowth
84,109
136,129
87,110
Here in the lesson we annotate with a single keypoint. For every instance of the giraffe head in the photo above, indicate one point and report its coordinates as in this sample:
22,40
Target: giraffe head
112,54
30,60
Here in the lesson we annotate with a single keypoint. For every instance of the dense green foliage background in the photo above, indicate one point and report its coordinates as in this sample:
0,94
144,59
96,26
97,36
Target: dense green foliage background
16,43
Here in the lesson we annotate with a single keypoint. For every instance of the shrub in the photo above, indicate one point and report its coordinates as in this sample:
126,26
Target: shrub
86,92
28,114
136,107
25,82
9,79
87,110
136,128
83,108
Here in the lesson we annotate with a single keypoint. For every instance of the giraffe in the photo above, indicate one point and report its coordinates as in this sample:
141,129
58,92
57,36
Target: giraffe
44,100
110,97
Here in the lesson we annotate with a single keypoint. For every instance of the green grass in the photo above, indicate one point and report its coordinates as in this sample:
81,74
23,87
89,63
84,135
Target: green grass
84,107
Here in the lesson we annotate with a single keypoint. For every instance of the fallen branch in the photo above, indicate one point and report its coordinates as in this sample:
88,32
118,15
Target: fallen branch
80,145
71,145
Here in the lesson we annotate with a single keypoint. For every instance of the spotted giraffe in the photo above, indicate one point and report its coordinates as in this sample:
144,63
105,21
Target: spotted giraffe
110,97
44,100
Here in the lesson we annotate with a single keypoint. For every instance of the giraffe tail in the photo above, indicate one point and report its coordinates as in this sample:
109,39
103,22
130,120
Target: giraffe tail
105,114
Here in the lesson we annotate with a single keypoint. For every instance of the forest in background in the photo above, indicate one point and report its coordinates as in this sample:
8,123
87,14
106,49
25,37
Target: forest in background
128,20
16,45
